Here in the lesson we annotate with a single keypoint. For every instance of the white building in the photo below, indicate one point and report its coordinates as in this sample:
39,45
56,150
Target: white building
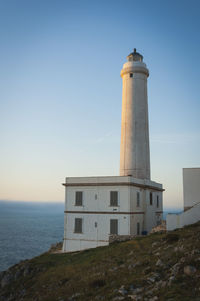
129,204
191,183
191,199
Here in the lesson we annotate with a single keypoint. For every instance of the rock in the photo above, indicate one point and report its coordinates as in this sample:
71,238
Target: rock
163,284
195,251
175,268
159,263
155,298
154,277
160,228
151,280
7,278
135,297
189,270
131,266
74,296
171,279
181,248
154,244
27,271
118,298
147,270
113,269
23,292
138,290
122,290
17,274
182,260
131,287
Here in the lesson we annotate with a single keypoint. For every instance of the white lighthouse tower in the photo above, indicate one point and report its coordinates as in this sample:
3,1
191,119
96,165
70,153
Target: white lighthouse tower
134,151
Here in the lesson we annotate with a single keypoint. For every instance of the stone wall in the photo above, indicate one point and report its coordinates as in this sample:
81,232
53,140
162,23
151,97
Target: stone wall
159,228
120,238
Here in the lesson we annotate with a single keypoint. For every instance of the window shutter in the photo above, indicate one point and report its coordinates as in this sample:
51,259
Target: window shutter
79,198
113,226
114,198
157,201
138,199
151,198
138,228
78,225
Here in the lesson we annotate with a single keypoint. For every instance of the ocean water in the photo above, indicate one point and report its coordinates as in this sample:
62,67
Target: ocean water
28,229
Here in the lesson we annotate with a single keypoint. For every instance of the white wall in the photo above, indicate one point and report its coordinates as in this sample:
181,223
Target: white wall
188,217
95,199
93,236
102,202
153,213
191,183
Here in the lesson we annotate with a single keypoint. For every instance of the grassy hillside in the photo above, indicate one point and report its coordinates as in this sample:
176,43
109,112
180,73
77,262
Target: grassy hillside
156,267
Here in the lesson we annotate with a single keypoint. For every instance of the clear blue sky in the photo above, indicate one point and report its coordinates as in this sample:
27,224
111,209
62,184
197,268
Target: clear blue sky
60,91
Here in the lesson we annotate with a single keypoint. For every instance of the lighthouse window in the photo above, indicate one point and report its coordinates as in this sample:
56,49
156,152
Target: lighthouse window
157,201
113,226
79,198
138,228
131,74
151,198
113,198
78,225
138,199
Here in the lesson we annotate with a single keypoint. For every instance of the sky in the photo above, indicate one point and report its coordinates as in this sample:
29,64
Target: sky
61,91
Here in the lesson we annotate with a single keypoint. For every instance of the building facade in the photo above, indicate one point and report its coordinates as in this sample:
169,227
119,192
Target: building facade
96,207
129,204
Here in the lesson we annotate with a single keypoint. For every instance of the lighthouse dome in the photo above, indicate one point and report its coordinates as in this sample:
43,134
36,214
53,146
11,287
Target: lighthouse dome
135,56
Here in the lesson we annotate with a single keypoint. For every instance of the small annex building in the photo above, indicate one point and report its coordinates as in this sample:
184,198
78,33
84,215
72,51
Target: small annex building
191,200
128,204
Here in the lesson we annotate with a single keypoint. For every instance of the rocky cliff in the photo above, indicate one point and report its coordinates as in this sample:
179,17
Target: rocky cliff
160,266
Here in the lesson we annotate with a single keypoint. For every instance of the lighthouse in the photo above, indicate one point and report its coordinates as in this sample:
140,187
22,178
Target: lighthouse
99,209
134,149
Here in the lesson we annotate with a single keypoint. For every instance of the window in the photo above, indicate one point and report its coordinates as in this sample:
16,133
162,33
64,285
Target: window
113,226
114,198
78,225
151,198
138,228
157,201
95,196
138,199
79,198
131,74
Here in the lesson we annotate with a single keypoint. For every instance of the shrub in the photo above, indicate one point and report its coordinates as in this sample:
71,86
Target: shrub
97,283
172,237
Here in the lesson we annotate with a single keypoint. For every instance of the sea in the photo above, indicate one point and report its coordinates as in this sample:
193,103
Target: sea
28,229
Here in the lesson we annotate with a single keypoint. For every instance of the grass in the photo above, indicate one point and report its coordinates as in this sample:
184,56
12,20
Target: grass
99,273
